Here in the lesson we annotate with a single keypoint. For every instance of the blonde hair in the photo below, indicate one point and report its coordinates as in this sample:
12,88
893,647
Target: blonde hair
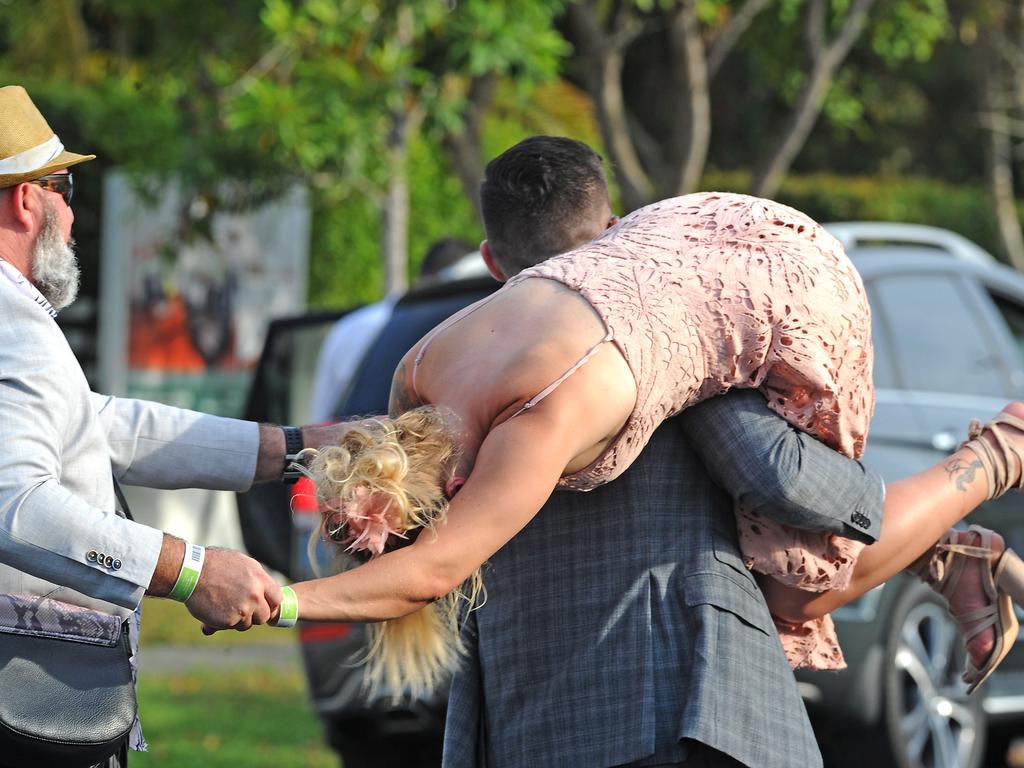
377,490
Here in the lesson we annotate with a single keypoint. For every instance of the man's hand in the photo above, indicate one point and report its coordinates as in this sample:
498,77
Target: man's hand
319,435
234,592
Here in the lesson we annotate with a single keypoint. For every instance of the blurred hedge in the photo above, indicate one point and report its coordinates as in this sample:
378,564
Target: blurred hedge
965,209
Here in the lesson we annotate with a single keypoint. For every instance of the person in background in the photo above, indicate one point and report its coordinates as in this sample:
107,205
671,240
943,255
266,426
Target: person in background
365,730
65,447
350,338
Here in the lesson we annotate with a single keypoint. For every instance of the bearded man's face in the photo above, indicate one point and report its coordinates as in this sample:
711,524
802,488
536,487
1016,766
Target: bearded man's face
55,270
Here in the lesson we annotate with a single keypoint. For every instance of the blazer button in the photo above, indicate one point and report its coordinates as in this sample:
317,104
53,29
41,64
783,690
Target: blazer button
116,565
91,556
108,560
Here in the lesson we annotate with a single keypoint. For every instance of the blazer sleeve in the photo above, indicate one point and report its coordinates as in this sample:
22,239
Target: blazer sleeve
772,468
46,528
159,446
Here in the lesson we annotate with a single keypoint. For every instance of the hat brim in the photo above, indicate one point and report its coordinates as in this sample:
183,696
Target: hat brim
64,160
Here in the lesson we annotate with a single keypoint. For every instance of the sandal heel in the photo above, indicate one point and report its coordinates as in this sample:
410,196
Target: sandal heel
1009,576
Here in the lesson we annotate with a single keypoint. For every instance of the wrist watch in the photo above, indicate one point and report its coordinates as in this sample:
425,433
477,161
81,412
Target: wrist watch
293,458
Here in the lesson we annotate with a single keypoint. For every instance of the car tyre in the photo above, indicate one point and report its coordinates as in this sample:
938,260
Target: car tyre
928,719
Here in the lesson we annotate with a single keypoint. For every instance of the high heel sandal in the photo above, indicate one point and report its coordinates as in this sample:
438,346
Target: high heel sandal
1002,583
997,459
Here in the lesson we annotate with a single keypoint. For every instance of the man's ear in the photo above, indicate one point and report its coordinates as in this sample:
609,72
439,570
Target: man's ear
492,265
20,208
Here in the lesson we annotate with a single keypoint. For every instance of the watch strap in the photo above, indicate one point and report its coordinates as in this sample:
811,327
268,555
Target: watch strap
293,445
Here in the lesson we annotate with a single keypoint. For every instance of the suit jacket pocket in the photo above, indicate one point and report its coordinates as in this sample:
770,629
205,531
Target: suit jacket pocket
734,594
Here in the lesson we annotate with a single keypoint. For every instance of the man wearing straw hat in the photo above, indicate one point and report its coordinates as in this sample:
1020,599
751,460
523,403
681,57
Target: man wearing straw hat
63,446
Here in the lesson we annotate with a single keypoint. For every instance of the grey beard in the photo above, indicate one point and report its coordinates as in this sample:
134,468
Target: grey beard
55,269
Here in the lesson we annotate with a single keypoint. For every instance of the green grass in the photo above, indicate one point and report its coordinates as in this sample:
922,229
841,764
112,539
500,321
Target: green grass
250,717
243,717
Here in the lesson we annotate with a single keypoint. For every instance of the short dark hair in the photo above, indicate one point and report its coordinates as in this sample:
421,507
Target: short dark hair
541,198
443,253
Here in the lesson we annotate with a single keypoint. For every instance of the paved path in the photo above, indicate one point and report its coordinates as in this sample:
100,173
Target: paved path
174,658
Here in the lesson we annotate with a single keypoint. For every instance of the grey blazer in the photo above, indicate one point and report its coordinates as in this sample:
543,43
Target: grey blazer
621,622
59,444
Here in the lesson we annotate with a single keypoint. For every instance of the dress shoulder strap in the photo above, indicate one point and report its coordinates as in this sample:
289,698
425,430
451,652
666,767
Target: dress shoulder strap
557,382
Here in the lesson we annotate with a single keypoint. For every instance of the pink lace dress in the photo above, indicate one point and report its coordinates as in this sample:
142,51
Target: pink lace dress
711,291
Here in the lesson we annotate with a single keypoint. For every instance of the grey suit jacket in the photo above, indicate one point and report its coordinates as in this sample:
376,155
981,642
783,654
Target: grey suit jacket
59,444
621,623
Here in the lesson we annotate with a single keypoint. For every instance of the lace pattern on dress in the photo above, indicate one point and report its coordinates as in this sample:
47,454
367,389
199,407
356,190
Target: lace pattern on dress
712,291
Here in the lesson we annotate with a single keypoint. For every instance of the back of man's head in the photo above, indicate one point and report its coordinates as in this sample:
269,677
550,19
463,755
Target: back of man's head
544,196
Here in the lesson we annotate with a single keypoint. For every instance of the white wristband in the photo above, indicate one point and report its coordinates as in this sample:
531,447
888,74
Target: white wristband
188,577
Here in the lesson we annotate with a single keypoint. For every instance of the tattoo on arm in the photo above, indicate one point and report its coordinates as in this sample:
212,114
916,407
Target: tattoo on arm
402,399
962,473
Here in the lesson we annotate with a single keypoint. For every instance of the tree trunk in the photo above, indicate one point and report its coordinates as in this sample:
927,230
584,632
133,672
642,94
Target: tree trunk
996,72
733,31
1000,178
825,63
395,213
463,147
77,38
602,55
688,48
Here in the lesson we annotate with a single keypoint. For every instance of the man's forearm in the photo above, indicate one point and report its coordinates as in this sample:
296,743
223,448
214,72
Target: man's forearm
168,566
270,462
768,466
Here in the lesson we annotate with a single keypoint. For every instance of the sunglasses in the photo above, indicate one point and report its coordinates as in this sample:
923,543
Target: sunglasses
61,183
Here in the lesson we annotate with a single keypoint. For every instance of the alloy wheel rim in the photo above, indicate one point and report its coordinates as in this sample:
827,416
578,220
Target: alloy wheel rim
937,726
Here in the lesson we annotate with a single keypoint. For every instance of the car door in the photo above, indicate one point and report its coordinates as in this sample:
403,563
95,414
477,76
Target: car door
943,357
280,394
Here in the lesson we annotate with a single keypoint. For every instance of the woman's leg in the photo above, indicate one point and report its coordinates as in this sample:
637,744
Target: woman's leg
919,510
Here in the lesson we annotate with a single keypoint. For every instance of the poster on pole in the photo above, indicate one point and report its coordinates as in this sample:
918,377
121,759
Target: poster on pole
186,294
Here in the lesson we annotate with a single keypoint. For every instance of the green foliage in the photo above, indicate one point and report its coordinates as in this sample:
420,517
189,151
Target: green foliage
341,71
897,31
966,209
345,269
909,30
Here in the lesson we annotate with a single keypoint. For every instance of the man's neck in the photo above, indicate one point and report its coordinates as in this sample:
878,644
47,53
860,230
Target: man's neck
9,252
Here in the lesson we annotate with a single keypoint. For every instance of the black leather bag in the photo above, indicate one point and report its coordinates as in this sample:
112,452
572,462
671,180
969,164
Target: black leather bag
67,695
63,702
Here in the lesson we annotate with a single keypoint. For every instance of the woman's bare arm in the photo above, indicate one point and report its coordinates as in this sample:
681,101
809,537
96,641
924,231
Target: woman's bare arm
516,470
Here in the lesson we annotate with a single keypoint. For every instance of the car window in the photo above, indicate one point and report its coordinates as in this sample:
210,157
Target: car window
938,344
884,375
1013,313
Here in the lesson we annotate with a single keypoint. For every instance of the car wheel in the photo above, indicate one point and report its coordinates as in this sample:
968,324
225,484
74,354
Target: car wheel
928,717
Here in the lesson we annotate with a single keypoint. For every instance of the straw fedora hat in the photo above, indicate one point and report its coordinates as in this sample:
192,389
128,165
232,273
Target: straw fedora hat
28,146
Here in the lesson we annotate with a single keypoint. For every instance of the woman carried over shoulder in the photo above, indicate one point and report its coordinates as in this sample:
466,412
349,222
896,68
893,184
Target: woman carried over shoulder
559,379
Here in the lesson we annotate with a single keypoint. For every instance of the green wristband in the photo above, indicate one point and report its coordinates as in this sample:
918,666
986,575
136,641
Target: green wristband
191,567
289,612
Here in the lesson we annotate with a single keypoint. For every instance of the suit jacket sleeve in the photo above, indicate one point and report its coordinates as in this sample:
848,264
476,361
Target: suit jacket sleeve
159,446
786,475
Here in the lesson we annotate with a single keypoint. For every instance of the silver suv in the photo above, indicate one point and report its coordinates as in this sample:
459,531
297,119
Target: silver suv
948,323
948,326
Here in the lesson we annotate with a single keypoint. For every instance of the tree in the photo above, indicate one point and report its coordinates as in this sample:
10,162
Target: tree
995,31
351,81
658,70
603,33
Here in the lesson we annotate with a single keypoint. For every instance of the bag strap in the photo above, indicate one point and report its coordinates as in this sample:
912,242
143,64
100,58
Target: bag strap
121,500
